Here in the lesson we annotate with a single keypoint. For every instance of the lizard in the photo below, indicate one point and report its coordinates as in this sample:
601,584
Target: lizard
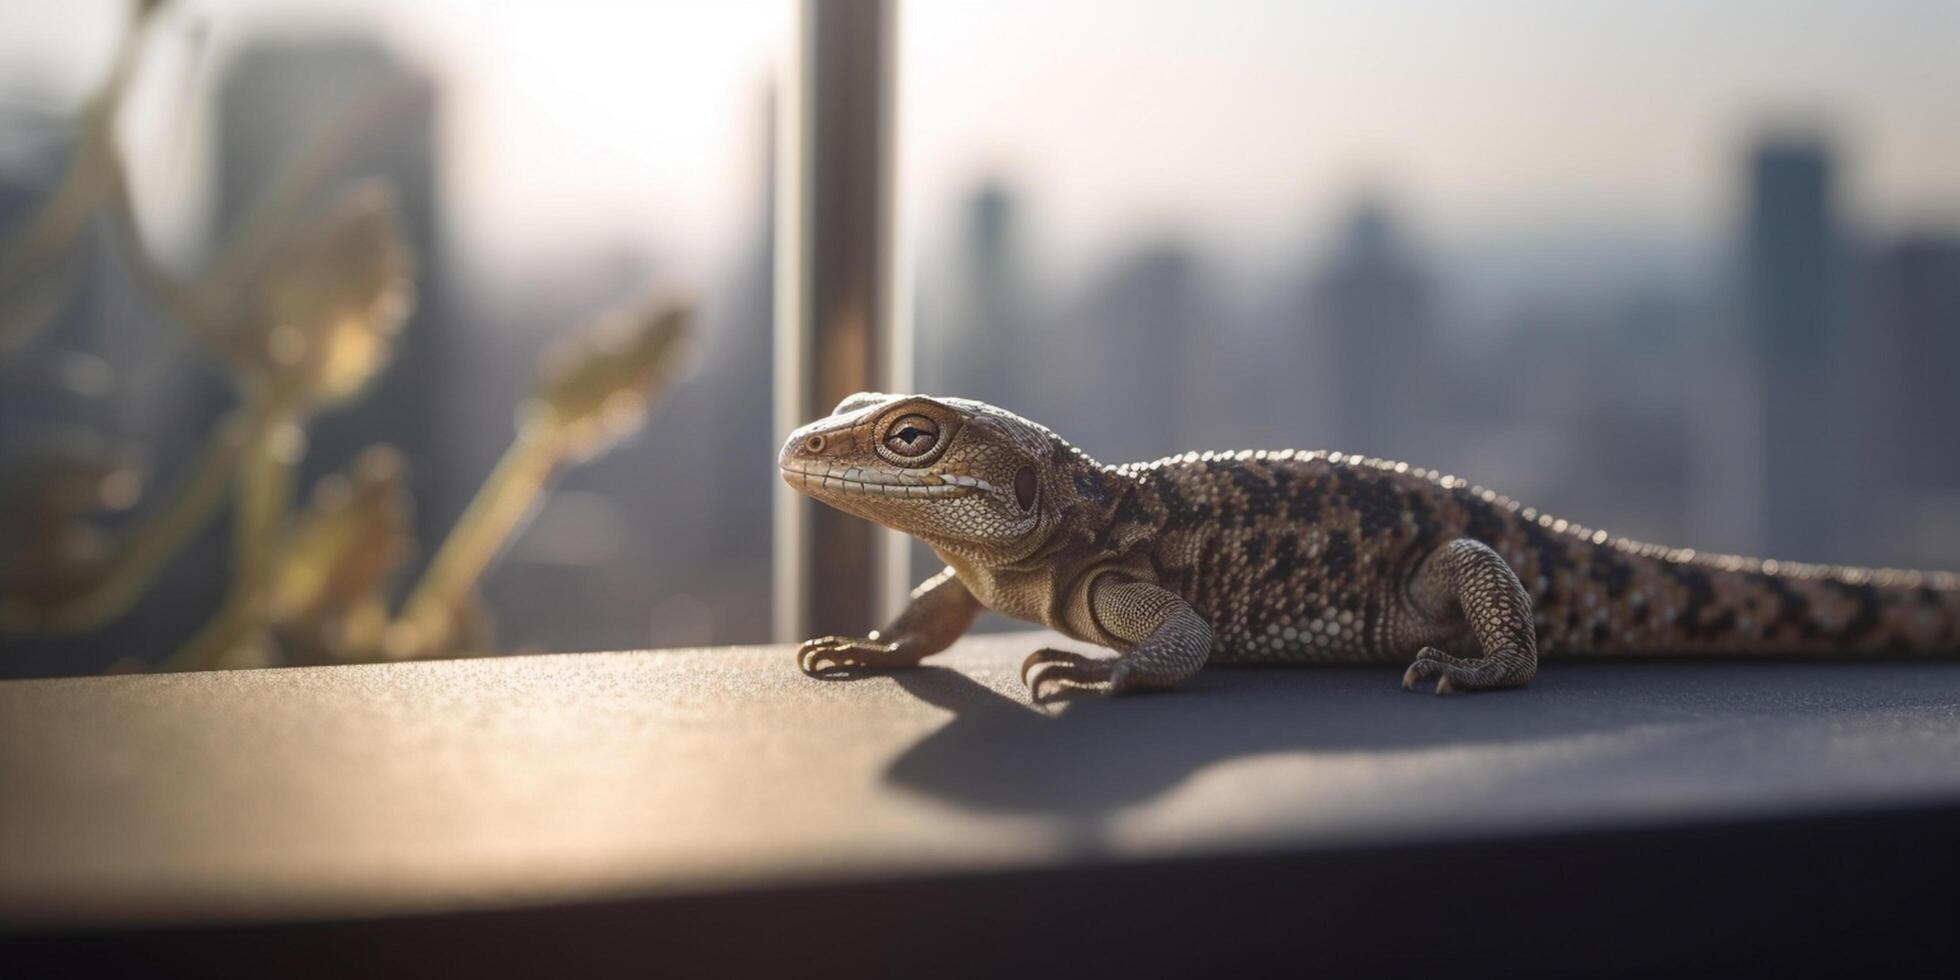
1276,557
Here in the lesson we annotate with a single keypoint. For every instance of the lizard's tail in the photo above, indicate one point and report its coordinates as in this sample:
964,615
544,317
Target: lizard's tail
1644,599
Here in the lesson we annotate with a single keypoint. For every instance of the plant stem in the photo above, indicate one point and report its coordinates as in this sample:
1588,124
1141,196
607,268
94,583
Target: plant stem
265,482
505,501
145,550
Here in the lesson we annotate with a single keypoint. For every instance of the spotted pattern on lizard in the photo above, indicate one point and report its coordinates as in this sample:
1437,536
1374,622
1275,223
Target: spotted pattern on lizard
1297,557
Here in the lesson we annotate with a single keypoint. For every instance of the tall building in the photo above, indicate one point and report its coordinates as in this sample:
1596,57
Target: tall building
1371,305
1906,402
1796,325
274,97
1135,354
1915,287
977,346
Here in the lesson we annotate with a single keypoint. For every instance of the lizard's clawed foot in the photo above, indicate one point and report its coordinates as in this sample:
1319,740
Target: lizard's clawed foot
1430,662
1502,669
830,653
1049,672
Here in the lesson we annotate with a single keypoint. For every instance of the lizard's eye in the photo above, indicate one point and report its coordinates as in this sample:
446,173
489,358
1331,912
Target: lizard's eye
913,435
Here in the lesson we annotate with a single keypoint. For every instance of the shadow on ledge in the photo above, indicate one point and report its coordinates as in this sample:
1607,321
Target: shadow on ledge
999,755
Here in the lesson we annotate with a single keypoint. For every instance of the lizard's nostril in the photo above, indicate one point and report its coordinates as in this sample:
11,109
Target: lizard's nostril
814,443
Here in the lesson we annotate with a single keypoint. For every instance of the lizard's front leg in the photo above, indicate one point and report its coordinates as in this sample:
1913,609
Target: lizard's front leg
940,611
1463,582
1168,642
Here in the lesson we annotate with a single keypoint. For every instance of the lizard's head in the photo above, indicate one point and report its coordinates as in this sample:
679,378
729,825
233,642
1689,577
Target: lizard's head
966,477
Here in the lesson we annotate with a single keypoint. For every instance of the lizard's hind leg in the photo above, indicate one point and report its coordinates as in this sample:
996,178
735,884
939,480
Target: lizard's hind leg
1465,583
1166,640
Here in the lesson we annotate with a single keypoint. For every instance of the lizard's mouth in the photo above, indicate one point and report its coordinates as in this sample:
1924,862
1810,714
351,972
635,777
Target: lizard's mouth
808,477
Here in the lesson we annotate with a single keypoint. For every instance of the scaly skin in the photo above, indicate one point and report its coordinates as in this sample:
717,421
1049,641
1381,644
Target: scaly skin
1296,557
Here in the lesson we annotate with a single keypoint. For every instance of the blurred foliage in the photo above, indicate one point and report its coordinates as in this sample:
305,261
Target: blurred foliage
303,311
592,390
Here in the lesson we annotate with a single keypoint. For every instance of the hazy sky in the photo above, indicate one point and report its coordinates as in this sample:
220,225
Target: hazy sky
569,127
576,124
1523,113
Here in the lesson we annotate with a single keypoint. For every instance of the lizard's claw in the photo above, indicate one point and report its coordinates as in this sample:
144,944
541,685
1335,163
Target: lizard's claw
1453,674
1430,662
833,652
1048,672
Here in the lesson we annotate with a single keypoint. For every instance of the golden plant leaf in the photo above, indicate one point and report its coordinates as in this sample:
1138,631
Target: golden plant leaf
595,388
328,306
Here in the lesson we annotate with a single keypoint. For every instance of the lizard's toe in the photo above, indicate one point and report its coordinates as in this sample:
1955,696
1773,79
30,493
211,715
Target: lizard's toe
1050,656
1454,674
1048,673
1431,662
1412,676
828,653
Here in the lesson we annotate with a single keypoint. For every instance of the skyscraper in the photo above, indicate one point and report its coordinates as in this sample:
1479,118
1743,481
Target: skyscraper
1915,287
1371,306
274,98
973,316
1136,354
1796,329
1906,404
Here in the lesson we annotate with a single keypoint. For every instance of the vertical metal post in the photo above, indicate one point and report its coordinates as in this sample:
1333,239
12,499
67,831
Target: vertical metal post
840,317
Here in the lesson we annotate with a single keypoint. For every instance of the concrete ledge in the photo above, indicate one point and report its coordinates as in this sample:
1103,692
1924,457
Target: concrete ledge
459,795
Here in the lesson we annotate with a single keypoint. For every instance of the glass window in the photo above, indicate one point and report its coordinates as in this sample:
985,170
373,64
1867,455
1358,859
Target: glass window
543,163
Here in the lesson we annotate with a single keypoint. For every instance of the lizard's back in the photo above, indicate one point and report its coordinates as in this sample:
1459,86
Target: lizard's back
1296,556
